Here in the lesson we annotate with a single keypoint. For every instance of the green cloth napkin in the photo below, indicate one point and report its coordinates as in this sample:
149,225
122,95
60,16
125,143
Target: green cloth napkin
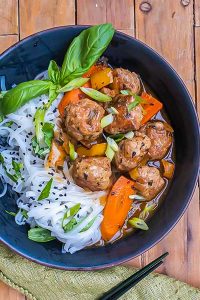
41,283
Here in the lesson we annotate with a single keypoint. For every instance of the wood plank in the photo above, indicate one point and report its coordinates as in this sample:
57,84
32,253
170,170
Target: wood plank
153,27
43,14
9,16
94,12
101,11
197,61
197,12
7,40
7,293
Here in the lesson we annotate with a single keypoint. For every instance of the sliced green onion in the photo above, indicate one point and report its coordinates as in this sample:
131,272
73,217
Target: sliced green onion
117,137
112,110
138,100
73,84
88,225
69,226
138,223
96,95
70,213
109,152
72,153
11,213
112,144
148,208
137,197
107,120
125,92
8,124
46,190
129,135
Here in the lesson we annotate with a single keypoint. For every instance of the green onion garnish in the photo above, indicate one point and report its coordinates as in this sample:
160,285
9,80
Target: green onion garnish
129,135
112,144
72,153
112,110
74,84
46,191
138,223
109,152
107,120
96,95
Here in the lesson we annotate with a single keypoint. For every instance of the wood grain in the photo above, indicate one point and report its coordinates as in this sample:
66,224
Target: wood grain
9,16
197,12
7,293
6,41
154,28
197,61
38,15
101,11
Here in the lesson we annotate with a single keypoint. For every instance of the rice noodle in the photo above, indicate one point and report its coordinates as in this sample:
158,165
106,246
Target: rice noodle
64,192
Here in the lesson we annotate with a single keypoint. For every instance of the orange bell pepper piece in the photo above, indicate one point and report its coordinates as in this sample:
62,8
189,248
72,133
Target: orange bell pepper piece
151,107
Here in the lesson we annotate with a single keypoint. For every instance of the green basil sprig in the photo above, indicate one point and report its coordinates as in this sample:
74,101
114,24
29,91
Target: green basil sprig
85,50
21,94
40,235
54,72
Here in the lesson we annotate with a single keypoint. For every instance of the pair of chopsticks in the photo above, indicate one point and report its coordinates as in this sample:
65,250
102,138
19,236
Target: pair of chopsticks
130,282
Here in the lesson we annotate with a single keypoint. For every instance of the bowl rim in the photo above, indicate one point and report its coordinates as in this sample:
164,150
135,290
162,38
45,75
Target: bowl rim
181,213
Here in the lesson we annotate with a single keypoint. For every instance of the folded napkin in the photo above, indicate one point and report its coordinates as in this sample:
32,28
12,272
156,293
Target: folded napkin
41,283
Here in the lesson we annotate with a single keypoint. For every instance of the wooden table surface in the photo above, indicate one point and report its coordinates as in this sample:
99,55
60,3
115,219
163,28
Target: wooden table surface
171,27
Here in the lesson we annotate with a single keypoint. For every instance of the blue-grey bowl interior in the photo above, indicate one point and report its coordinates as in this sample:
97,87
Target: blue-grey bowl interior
31,56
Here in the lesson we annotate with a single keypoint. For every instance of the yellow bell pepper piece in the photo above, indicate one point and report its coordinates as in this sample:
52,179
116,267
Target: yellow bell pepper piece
134,174
95,150
101,78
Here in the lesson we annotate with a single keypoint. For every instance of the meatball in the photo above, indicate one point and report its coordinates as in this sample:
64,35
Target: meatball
149,182
125,121
131,152
160,134
107,91
93,173
82,120
125,80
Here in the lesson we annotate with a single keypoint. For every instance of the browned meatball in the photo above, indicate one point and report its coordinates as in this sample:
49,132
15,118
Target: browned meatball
109,92
93,173
149,182
125,80
82,120
160,134
125,121
131,152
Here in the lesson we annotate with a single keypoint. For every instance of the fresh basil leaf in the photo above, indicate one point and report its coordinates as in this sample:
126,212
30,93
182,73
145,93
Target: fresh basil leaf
21,94
46,191
54,72
40,235
69,226
48,133
96,95
88,225
74,84
11,213
70,213
1,116
53,94
85,50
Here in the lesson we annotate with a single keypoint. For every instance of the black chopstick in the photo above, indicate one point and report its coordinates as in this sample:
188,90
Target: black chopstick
130,282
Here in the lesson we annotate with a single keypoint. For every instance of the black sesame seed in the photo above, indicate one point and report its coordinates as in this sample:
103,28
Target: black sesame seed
133,154
60,195
68,182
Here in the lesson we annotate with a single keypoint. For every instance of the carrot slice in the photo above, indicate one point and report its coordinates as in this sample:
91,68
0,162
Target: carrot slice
151,107
117,207
72,96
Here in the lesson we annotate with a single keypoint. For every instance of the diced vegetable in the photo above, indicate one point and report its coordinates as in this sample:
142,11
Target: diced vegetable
96,95
138,100
74,84
88,225
101,78
134,173
40,235
71,97
107,120
48,133
168,169
138,223
151,107
93,69
117,207
110,153
129,135
70,213
11,213
56,156
95,150
46,190
112,110
112,144
72,152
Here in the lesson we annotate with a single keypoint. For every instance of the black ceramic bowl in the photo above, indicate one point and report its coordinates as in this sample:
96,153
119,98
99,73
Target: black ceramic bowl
31,56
